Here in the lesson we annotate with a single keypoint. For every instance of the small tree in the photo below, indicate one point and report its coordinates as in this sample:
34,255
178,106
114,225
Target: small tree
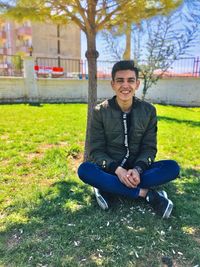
17,60
165,44
91,16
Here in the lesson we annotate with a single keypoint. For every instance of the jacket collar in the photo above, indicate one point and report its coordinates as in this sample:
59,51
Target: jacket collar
113,103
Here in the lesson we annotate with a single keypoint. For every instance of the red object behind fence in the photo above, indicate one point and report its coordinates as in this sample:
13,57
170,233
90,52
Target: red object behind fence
46,71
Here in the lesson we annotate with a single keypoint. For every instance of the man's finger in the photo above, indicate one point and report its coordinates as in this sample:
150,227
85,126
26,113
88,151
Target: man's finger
126,181
131,182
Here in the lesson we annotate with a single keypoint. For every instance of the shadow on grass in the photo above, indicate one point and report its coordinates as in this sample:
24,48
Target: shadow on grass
66,228
185,192
188,122
35,104
189,172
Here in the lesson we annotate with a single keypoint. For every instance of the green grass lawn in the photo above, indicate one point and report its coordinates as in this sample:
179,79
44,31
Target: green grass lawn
49,218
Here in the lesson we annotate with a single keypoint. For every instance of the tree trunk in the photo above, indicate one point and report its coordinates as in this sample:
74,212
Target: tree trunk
144,90
127,52
91,56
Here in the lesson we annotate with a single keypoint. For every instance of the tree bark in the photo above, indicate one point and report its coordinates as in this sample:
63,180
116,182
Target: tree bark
144,90
91,55
127,52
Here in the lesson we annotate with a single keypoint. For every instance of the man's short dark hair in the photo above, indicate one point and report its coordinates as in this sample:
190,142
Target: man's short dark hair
124,65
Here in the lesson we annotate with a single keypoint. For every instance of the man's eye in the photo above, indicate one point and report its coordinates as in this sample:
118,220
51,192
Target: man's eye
131,81
120,81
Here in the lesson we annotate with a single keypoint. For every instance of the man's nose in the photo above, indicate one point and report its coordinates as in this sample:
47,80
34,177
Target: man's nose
125,83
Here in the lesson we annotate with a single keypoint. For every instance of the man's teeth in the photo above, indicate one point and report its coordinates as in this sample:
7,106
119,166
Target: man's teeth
125,92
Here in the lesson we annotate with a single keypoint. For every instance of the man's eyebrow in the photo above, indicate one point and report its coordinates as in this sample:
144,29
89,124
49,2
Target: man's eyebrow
129,78
119,78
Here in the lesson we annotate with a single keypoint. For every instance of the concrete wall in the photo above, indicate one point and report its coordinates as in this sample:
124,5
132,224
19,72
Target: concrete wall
70,90
179,91
12,90
175,91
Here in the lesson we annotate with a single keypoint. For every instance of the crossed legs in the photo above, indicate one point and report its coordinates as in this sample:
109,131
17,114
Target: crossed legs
159,173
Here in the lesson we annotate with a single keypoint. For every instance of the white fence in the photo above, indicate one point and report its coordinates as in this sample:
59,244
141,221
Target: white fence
175,91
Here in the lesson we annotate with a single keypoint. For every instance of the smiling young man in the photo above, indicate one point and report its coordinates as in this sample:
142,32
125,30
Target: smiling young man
123,147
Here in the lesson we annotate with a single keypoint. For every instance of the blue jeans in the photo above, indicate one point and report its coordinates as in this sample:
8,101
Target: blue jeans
158,173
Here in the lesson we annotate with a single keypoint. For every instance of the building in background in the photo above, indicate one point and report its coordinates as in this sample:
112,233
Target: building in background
45,39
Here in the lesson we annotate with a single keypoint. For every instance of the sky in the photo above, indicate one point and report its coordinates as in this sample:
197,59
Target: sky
194,52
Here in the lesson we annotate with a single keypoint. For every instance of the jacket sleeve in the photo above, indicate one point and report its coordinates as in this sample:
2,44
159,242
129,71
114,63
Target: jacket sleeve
148,147
97,143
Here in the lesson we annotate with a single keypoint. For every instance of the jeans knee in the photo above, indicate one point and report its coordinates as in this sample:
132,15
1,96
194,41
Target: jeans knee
175,167
81,169
84,171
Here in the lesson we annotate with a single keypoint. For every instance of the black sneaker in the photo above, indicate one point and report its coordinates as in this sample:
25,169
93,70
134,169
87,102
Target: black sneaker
163,193
160,203
101,199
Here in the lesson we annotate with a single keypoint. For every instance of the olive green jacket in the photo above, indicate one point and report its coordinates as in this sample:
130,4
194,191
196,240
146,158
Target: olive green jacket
107,141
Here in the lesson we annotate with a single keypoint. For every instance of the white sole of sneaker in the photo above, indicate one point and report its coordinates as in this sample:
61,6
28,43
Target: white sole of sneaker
163,193
102,203
168,210
100,200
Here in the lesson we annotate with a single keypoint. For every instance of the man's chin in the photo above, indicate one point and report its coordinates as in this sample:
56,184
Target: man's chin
125,97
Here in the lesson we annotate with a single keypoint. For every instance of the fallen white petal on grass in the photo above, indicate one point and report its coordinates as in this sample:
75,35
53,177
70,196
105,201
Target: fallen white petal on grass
50,254
76,243
97,238
162,232
136,255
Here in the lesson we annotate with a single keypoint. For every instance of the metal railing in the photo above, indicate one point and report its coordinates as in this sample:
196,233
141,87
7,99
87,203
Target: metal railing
183,67
11,65
71,68
78,69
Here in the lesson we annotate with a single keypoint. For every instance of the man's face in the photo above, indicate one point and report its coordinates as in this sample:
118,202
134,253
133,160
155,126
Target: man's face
125,84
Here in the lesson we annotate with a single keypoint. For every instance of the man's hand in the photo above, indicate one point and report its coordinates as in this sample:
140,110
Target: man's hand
130,178
134,176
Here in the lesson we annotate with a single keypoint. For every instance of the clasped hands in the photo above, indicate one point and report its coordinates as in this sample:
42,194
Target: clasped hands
130,178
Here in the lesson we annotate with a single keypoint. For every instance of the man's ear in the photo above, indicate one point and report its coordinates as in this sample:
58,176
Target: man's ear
112,84
137,84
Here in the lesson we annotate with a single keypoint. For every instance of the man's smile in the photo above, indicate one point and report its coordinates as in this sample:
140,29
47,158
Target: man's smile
125,91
